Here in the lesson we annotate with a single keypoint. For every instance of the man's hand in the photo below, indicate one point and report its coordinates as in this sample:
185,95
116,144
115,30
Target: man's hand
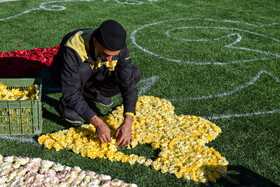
103,132
123,133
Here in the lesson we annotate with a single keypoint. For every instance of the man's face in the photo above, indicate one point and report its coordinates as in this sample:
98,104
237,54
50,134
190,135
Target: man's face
102,54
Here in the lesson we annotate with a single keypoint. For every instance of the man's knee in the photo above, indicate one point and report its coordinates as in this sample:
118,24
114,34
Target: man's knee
137,74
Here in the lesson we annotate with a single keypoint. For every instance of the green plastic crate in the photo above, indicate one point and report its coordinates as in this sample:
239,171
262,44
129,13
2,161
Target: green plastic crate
21,117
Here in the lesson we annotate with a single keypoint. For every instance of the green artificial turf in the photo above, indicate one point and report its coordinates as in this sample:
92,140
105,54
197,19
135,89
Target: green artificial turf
237,87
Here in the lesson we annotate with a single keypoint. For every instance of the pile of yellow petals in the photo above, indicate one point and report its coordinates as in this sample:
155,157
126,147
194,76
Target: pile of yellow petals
31,93
181,140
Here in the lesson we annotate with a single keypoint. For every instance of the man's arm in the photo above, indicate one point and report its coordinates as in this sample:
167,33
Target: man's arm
127,85
71,84
71,89
103,132
123,133
129,95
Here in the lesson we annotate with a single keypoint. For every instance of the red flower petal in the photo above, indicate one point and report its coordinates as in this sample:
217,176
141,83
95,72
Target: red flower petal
20,62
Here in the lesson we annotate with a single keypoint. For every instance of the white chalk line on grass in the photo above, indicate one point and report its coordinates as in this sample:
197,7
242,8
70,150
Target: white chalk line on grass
239,38
50,6
134,2
149,82
152,80
242,115
24,12
2,1
19,139
235,90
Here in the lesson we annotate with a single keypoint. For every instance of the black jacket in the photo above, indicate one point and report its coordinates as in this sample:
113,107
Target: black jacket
76,48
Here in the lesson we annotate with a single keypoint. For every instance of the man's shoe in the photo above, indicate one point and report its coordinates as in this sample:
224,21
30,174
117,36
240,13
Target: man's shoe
97,97
70,115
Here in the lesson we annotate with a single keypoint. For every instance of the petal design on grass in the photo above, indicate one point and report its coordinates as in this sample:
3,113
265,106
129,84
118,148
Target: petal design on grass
24,171
181,140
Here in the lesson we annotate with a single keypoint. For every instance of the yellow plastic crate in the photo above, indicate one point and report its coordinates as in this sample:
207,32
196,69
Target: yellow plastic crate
21,117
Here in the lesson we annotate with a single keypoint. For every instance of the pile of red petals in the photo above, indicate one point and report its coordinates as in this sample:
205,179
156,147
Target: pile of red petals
19,63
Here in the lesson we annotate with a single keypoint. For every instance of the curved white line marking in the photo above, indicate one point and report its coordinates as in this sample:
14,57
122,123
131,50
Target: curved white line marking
2,1
235,90
242,115
239,38
24,12
149,82
133,34
43,6
133,2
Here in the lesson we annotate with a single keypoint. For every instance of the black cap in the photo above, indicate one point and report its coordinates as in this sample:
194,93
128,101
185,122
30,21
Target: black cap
111,35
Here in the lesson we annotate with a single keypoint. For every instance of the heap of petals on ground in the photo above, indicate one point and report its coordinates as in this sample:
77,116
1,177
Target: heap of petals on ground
18,63
43,55
181,140
24,171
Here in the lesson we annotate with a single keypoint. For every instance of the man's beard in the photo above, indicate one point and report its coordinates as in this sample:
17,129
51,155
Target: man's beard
98,58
